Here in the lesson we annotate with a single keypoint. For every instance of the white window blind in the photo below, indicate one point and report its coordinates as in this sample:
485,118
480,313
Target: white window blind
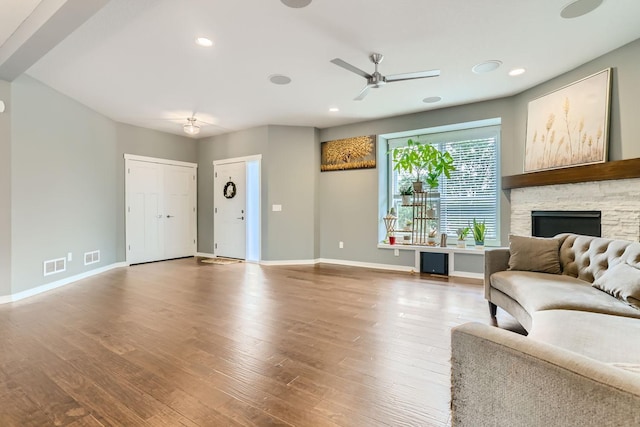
472,190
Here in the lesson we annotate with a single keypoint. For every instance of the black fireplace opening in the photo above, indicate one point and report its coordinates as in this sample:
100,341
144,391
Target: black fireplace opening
550,223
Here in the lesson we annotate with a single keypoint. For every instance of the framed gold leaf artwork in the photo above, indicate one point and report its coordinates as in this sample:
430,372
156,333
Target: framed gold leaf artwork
570,126
350,153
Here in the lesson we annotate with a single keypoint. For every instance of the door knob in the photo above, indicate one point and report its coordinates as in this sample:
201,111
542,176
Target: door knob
242,218
169,216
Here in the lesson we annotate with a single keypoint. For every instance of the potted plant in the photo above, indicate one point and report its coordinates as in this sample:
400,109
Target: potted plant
431,236
414,158
462,235
406,193
479,230
440,163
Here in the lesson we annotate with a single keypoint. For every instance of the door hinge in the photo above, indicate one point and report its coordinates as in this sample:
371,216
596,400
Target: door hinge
215,210
128,170
216,175
194,177
129,247
215,246
129,209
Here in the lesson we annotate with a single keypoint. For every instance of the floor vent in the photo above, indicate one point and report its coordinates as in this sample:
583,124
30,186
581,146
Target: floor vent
91,257
54,266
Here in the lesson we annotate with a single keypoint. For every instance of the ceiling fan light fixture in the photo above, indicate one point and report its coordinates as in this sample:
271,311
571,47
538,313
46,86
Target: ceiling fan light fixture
191,128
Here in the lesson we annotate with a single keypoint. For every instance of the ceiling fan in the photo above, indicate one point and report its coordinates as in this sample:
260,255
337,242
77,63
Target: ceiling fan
376,79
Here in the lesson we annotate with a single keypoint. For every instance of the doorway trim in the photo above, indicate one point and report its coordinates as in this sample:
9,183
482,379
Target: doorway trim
254,203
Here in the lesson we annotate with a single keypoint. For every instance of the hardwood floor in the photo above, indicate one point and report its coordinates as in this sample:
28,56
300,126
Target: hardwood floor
185,343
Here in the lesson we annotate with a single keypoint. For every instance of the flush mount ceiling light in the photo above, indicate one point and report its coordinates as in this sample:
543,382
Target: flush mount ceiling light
486,66
204,42
279,79
432,99
578,8
191,128
296,4
334,109
2,107
517,72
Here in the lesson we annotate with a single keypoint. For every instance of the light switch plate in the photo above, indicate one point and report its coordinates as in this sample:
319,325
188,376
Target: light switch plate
276,208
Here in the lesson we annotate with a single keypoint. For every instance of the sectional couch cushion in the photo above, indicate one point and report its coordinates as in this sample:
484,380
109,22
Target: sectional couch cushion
621,281
543,291
609,339
534,254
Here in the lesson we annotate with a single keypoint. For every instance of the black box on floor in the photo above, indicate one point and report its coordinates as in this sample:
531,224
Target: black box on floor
434,263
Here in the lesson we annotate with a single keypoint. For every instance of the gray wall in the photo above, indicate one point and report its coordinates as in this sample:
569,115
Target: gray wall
5,190
290,159
67,181
354,194
624,130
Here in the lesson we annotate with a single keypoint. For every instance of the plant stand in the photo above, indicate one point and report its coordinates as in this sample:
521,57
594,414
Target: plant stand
426,210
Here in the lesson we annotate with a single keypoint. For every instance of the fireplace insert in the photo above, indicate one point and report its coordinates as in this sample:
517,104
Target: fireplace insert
550,223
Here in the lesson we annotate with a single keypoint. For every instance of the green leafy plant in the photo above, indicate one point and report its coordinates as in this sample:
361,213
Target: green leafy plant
441,163
479,230
406,190
414,158
463,232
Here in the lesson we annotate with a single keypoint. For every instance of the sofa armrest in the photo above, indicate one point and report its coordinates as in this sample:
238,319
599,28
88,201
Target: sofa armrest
500,378
495,259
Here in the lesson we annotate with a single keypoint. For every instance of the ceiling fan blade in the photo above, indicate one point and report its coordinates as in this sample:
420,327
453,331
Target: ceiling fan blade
362,93
340,63
411,76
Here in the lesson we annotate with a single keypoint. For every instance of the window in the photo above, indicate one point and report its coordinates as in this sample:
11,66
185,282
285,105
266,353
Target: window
472,190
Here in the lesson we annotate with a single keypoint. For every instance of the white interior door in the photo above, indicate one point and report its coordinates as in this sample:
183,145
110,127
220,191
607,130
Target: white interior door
161,217
145,217
179,211
230,209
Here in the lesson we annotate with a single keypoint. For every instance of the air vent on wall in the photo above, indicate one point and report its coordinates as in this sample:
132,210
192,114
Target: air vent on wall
54,266
91,257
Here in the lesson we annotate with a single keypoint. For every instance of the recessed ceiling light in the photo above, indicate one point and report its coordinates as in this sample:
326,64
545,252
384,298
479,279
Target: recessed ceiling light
579,7
204,42
296,4
486,66
279,79
334,109
432,99
517,72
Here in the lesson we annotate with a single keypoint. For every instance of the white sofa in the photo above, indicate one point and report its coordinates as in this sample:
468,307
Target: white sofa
580,363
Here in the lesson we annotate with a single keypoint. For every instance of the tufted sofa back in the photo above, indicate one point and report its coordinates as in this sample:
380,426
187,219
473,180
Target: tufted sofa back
587,258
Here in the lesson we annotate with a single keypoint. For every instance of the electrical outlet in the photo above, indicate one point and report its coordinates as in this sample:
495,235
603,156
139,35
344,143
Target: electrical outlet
396,252
341,245
69,256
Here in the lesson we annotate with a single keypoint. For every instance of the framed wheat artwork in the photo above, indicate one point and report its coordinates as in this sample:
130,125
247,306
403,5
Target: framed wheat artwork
351,153
570,126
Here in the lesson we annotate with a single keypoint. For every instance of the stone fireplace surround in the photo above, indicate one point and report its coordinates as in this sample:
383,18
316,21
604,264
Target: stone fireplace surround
618,200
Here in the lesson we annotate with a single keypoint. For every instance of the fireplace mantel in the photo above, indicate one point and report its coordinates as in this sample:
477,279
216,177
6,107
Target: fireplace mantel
619,169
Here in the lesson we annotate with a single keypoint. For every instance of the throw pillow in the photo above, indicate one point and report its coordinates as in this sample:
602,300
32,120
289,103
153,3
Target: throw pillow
621,281
534,254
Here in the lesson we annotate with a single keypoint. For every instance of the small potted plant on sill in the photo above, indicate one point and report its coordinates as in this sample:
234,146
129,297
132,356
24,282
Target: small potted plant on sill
406,192
479,230
462,236
431,237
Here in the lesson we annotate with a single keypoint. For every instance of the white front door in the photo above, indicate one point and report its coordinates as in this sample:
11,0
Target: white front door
230,209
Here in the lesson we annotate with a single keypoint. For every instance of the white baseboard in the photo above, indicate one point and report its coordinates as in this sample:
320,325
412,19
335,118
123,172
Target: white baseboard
58,283
376,266
291,262
205,255
340,262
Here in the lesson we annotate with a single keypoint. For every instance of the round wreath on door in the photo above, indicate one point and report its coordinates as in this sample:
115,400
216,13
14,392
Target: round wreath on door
229,190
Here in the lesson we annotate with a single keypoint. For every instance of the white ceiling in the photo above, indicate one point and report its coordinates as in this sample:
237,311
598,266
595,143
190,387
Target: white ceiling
136,61
19,10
